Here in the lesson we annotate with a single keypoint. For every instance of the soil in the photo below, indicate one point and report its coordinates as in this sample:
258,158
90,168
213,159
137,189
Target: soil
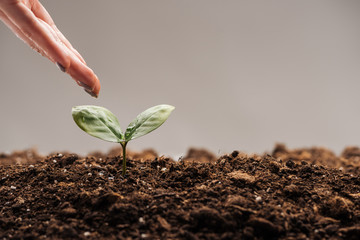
287,194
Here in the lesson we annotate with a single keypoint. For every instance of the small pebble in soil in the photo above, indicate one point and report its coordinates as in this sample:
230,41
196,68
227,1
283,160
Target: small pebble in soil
141,220
144,235
28,210
163,169
101,174
31,166
13,187
54,161
59,155
86,234
89,174
258,199
111,178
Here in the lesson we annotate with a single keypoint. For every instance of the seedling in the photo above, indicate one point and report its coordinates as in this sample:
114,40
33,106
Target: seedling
101,123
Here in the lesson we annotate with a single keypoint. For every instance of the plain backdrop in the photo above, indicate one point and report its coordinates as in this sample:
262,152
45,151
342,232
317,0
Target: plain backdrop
242,74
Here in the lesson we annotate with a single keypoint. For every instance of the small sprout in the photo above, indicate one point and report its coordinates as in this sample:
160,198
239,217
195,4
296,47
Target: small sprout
101,123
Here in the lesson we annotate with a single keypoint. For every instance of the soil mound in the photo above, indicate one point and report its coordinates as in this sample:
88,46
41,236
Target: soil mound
289,194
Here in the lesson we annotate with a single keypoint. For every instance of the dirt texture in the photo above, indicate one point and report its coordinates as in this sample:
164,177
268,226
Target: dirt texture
287,194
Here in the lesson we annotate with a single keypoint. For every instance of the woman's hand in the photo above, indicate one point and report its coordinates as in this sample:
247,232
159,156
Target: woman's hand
30,21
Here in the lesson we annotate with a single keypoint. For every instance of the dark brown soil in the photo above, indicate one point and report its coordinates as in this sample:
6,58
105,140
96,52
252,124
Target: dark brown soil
288,194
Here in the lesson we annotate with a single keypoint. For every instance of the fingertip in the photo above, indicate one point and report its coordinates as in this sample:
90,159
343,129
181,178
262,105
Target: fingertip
91,93
84,76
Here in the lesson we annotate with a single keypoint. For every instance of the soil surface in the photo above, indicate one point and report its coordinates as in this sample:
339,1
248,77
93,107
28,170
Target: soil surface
287,194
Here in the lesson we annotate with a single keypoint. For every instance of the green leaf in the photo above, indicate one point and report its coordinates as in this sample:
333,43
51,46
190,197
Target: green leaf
98,122
148,121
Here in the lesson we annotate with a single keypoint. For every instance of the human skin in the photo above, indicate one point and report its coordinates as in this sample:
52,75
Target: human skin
30,21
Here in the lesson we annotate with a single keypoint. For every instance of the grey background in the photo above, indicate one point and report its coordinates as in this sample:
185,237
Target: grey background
242,75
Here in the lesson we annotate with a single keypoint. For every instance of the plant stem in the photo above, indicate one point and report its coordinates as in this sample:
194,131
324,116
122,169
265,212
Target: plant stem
123,145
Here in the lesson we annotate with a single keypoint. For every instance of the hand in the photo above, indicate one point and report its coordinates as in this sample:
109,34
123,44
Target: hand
30,21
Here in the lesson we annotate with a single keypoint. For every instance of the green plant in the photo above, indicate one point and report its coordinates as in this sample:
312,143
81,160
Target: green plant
101,123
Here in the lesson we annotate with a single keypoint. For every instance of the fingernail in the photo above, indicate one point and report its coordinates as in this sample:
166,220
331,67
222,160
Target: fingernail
87,89
90,93
85,86
61,67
